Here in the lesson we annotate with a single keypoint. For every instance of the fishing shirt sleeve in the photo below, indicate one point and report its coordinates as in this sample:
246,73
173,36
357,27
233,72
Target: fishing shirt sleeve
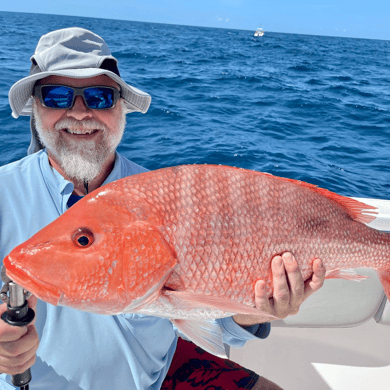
236,335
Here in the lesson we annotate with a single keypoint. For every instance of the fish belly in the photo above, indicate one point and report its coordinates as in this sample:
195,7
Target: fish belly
165,308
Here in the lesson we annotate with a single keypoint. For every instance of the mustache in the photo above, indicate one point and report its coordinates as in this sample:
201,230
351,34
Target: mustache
74,124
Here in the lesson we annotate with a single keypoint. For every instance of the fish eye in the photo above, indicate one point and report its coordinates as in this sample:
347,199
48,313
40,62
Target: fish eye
82,238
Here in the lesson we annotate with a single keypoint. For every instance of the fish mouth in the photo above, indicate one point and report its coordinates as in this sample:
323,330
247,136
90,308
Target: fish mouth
42,290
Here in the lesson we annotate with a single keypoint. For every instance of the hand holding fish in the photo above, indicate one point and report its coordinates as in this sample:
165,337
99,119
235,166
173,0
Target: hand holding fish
290,290
18,345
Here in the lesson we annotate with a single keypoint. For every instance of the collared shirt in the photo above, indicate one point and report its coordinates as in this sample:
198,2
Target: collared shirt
80,350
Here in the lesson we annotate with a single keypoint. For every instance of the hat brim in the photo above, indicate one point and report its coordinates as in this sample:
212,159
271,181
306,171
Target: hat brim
20,93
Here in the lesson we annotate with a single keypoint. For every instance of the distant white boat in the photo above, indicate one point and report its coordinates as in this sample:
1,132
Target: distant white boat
259,32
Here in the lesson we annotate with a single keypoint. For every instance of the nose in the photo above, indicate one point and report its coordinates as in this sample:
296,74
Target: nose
79,110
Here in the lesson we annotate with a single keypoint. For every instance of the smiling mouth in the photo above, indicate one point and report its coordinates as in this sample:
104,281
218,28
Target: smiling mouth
80,132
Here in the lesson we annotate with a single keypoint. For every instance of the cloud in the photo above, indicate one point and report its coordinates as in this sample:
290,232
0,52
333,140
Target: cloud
220,19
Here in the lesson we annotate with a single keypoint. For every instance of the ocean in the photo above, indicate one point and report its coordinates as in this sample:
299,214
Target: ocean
312,108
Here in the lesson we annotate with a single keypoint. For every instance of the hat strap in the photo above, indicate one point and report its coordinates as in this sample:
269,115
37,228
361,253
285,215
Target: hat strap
35,145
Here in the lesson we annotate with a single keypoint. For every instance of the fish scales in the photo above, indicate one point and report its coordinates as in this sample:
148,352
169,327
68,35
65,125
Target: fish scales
226,225
204,230
215,245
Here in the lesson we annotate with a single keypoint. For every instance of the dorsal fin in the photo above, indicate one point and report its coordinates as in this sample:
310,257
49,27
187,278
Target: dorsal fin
352,207
356,210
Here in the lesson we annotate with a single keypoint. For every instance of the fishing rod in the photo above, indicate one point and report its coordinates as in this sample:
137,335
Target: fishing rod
18,314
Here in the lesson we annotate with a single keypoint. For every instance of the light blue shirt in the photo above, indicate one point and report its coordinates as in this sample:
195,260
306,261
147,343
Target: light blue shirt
80,350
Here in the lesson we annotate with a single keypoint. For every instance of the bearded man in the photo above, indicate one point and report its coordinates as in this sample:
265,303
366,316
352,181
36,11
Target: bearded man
78,103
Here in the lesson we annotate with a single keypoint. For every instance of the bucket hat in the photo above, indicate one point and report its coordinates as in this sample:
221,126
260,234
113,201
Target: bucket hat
77,53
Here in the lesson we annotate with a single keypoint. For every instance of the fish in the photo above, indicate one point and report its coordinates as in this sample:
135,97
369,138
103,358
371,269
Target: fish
189,243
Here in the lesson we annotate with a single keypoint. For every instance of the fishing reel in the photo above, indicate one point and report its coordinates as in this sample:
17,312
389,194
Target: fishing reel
18,314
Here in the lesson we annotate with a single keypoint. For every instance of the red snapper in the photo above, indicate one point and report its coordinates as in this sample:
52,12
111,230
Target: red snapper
189,243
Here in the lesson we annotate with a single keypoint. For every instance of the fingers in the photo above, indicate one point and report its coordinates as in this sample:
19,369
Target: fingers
278,305
317,280
264,303
288,285
281,293
261,299
7,332
18,369
18,344
17,356
12,333
295,281
290,290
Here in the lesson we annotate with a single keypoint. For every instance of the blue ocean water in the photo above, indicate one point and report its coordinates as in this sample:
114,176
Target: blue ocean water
312,108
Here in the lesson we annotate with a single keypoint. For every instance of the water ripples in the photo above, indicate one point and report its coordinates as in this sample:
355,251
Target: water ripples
307,107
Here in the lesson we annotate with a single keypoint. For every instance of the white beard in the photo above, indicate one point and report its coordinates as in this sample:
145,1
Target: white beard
81,160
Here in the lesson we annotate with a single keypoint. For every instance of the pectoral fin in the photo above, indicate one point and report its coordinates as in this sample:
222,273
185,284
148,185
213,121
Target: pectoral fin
205,334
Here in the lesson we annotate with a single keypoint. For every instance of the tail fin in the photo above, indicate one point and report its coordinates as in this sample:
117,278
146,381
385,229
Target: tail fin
347,274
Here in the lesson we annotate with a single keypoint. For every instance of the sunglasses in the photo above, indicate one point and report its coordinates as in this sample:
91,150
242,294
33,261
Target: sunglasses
63,97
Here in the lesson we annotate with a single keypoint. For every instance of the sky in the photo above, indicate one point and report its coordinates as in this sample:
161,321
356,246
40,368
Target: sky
343,18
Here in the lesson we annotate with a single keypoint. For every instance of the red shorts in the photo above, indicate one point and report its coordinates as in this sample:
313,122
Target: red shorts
194,368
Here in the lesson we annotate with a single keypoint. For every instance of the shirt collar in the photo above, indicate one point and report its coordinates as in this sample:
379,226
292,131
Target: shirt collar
60,188
116,172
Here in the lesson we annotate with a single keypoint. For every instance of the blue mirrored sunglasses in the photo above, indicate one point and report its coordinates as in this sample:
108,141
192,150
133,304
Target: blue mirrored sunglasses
63,97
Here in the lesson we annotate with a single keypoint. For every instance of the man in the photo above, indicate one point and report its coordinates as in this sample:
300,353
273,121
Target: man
78,103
